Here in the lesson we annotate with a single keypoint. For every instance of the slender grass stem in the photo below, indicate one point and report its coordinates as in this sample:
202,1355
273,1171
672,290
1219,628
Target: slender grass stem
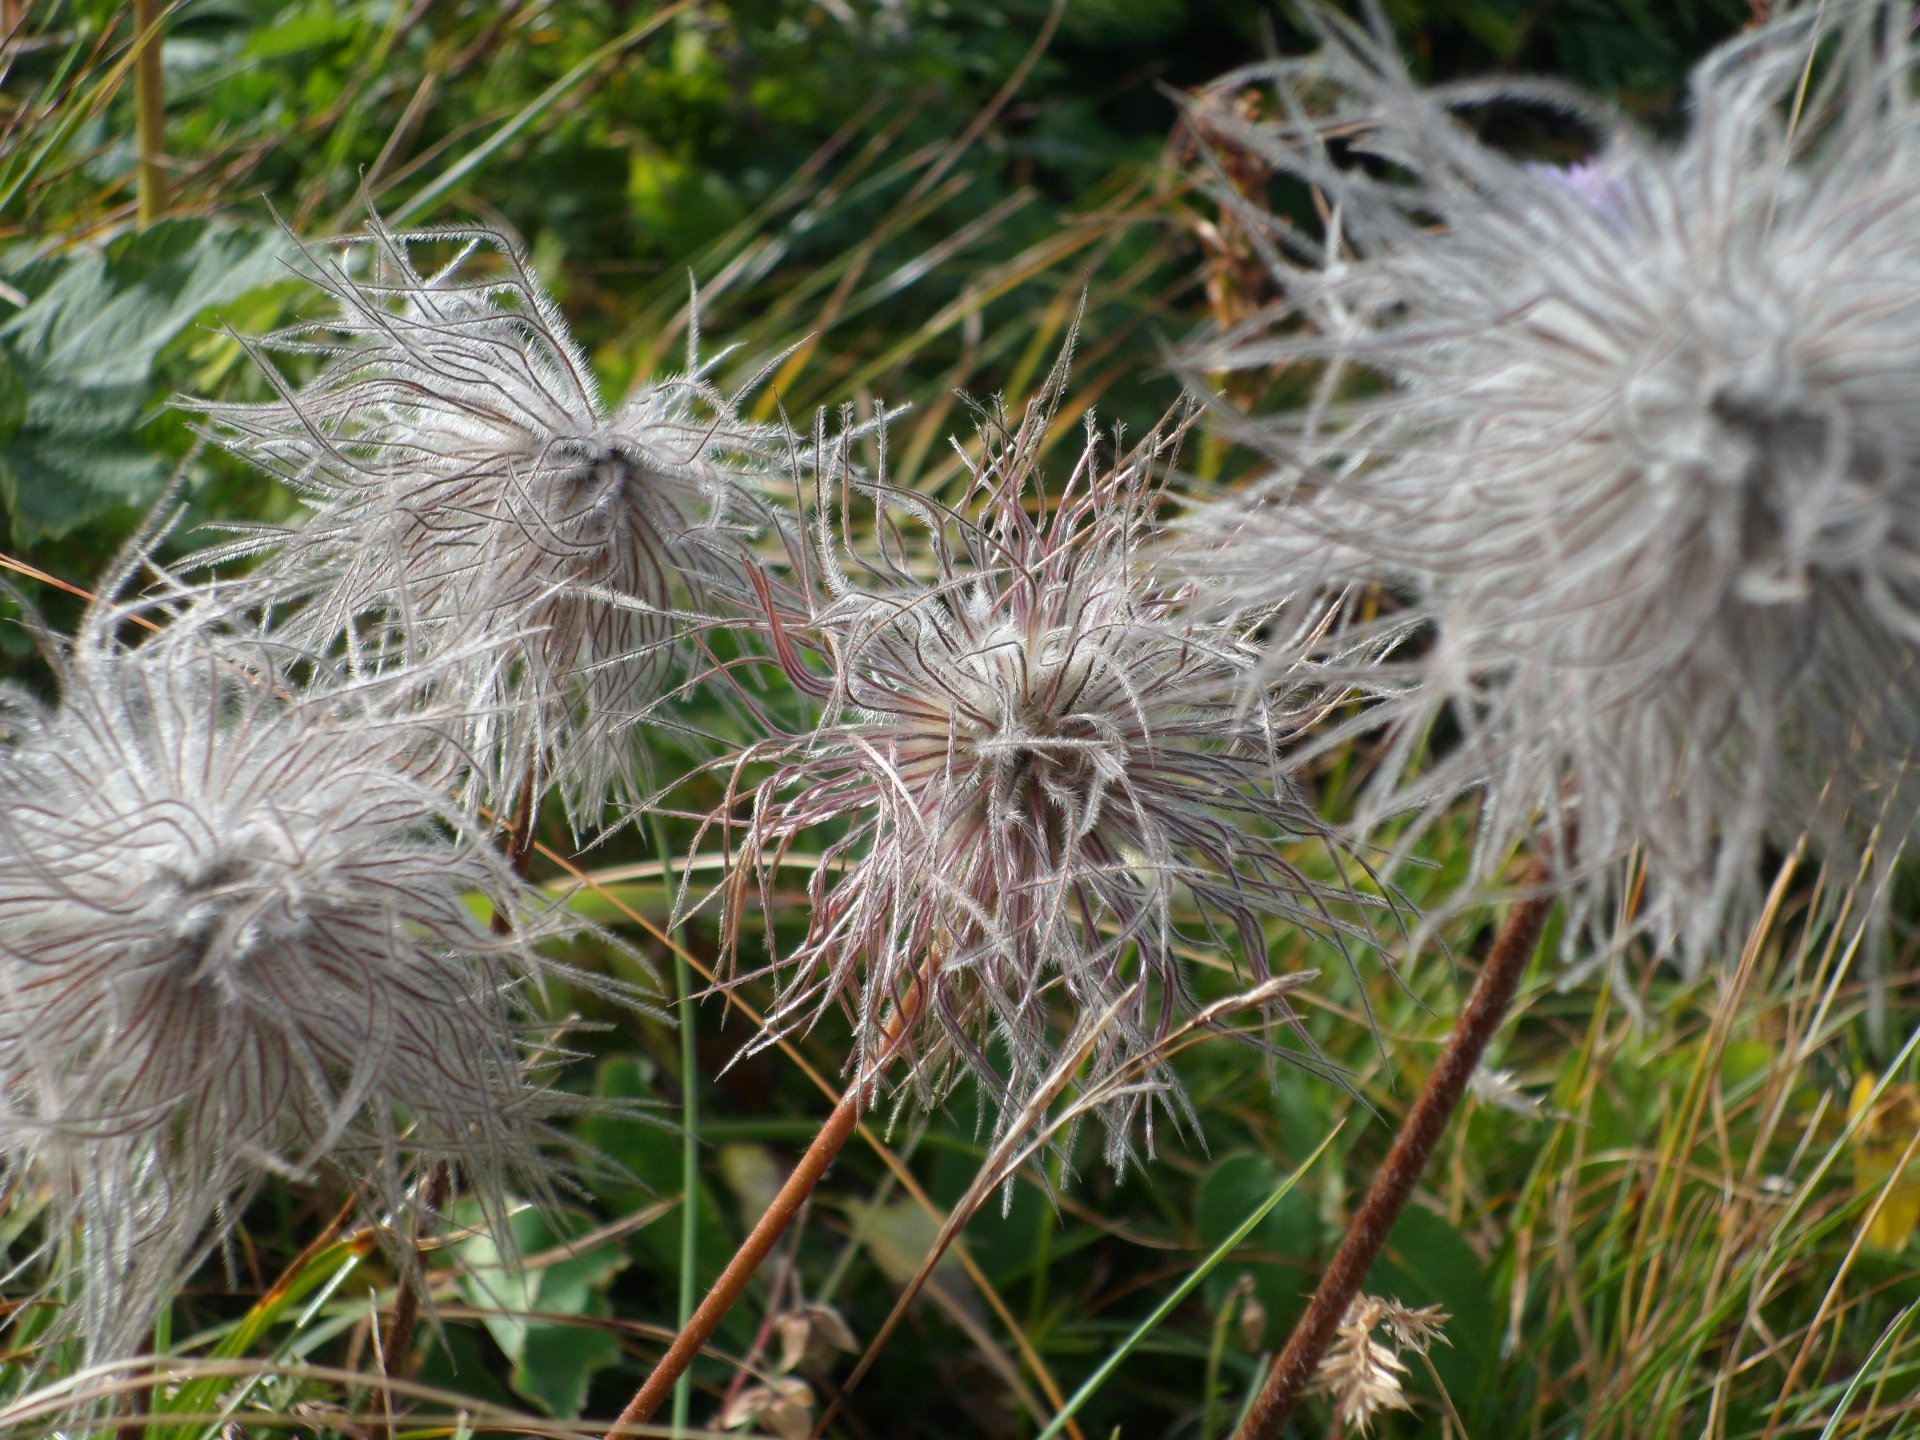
766,1232
689,1176
150,111
1406,1161
689,1145
396,1346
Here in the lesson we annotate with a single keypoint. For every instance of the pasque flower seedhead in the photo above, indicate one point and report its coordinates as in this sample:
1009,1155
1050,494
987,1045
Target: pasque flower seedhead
1636,441
462,475
1052,778
237,940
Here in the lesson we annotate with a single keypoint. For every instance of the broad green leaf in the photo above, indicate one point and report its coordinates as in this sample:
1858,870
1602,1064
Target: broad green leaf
538,1315
79,361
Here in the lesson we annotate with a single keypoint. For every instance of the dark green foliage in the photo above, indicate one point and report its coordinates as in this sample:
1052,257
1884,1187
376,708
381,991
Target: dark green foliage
78,361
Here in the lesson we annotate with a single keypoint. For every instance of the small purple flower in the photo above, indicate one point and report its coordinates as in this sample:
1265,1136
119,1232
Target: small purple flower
1597,185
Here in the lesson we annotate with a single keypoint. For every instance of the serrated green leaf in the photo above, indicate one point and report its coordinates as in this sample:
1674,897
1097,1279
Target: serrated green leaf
81,356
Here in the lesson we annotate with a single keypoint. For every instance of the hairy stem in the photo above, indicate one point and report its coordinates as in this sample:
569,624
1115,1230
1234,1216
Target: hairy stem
1393,1185
766,1233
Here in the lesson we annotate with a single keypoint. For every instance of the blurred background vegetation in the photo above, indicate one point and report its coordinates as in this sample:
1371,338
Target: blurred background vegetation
1656,1225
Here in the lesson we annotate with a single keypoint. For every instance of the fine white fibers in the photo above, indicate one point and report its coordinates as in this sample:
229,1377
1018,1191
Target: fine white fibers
236,940
462,476
1646,459
1049,774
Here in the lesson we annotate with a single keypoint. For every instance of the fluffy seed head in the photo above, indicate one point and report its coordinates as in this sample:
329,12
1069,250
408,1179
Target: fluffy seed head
1049,774
236,940
1643,447
462,474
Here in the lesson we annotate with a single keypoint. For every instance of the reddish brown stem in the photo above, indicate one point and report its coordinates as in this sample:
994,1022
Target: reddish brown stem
746,1261
754,1250
1393,1185
520,840
139,1408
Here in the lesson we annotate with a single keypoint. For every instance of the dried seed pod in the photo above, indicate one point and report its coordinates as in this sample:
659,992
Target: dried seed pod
463,476
1051,775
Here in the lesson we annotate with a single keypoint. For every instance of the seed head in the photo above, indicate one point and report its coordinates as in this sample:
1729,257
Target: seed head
461,473
1642,448
1051,779
1362,1374
236,941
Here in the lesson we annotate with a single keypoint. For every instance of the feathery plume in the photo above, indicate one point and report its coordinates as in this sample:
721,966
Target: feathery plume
1637,440
236,941
1362,1374
1051,777
460,471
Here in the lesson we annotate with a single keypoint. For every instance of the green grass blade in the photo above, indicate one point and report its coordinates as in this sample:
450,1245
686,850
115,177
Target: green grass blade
530,112
1185,1288
689,1140
323,1273
1880,1348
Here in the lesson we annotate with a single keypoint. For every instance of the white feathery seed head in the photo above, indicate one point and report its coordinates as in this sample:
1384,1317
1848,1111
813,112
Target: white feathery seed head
1051,778
462,474
1637,441
237,939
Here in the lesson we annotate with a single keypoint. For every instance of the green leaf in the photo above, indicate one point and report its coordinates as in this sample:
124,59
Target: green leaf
1180,1292
79,361
13,401
1289,1235
528,1310
1428,1262
316,29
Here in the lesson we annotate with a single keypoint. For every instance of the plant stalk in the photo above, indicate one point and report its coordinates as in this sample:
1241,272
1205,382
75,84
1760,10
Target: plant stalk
396,1347
1406,1161
150,111
526,812
766,1233
689,1174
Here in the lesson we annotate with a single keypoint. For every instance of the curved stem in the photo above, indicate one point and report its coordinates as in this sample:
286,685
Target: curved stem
766,1233
1393,1185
